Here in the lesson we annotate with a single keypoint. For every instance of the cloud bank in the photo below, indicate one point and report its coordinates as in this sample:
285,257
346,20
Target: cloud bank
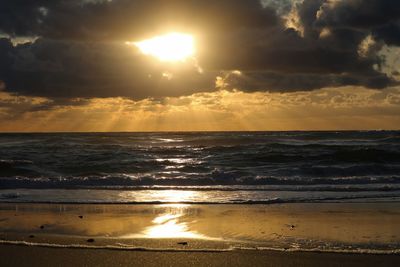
79,50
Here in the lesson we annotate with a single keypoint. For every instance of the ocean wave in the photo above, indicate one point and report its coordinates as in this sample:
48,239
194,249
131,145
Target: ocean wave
216,179
198,159
173,196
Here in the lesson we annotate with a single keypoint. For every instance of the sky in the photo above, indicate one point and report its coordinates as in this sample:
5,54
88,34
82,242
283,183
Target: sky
257,65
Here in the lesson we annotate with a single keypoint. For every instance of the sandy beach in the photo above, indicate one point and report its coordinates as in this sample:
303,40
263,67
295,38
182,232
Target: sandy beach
333,234
38,256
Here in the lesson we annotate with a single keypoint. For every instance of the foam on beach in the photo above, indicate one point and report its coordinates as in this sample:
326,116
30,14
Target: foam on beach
124,247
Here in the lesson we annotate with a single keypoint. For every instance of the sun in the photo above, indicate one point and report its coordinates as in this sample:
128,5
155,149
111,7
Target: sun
171,47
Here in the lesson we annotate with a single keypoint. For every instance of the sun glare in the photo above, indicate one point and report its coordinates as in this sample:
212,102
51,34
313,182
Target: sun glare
169,47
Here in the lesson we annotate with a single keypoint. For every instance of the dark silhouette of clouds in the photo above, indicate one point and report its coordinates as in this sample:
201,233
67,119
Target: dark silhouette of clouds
79,69
80,51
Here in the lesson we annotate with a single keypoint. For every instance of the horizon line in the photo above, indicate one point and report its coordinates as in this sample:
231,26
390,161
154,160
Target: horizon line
200,131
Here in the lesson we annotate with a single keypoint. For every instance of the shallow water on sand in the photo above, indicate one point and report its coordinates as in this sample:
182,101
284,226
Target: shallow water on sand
356,227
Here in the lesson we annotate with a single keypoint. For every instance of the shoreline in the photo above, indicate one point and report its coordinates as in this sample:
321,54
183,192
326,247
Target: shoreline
192,196
194,250
300,234
307,227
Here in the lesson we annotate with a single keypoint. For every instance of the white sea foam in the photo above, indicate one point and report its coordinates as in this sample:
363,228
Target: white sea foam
186,196
124,247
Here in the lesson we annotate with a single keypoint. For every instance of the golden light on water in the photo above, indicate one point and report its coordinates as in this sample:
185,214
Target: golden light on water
174,222
177,195
169,47
169,225
165,196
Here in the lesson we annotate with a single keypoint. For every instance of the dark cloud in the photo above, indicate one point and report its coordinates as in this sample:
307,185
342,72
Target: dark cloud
358,14
380,17
81,52
389,33
122,19
283,51
80,69
291,82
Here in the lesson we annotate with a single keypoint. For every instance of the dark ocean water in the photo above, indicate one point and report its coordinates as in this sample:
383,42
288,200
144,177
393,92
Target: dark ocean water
325,165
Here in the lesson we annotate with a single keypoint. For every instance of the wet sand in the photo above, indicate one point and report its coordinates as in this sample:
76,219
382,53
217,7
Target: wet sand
37,256
187,235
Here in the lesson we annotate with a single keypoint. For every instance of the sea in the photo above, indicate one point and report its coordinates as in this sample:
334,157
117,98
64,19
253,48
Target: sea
200,167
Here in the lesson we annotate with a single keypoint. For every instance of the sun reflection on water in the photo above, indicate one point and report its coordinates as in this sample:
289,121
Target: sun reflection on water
176,195
173,223
174,219
163,196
